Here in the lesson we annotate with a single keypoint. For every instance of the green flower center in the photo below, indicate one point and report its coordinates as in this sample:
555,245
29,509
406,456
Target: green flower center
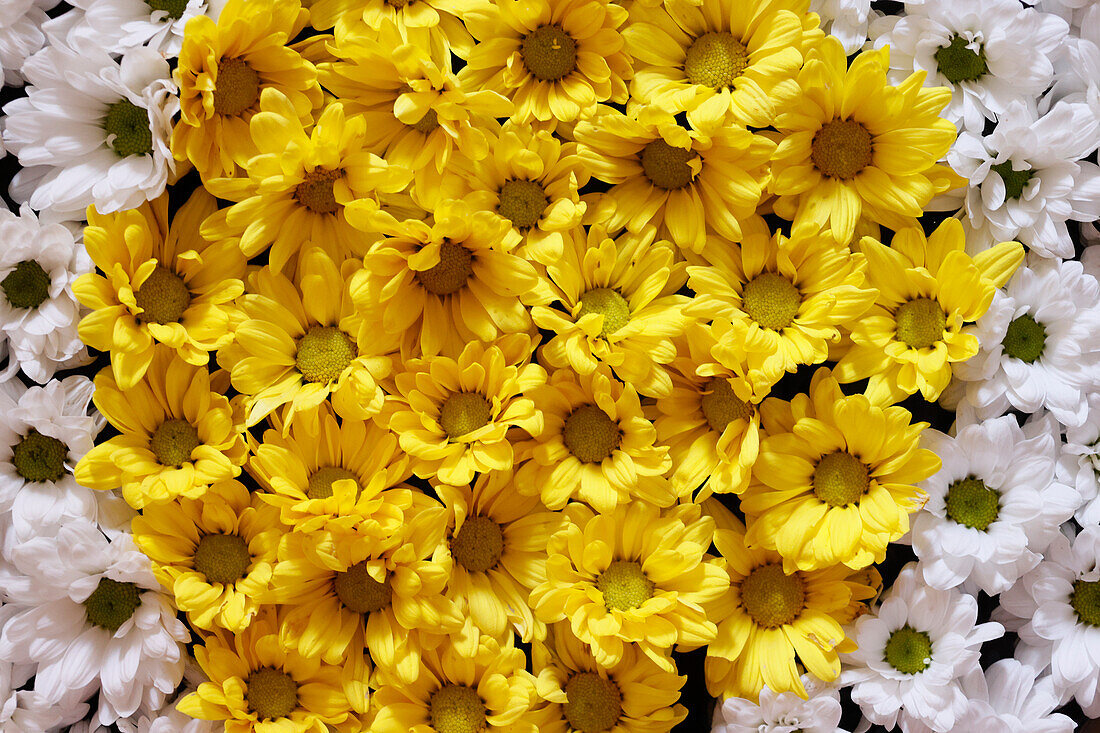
111,604
593,704
222,558
1025,339
361,593
174,8
173,441
522,202
320,483
840,479
624,585
1086,601
452,271
428,123
549,53
1015,181
970,502
128,130
959,63
771,597
315,192
667,166
721,406
38,457
920,322
715,60
771,300
324,352
841,149
271,693
909,651
163,297
457,709
237,87
478,544
463,413
590,434
27,285
609,304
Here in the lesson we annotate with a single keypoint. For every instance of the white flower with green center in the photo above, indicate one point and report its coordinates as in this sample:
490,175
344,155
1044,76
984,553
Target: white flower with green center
782,713
120,25
20,35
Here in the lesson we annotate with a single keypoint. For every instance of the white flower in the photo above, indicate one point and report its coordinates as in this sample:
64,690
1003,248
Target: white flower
782,713
912,653
1009,699
20,35
845,19
23,710
119,25
1079,462
92,130
1077,75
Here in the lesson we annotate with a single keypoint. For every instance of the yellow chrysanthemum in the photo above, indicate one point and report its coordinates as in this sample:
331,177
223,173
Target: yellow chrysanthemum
179,434
635,576
453,416
555,59
297,185
258,687
710,175
836,478
596,445
299,344
616,303
223,68
214,554
440,18
929,289
161,283
852,145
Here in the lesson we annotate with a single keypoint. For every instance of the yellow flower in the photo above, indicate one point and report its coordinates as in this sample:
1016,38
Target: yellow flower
634,576
214,554
440,18
161,283
179,434
852,145
836,478
453,416
223,68
616,304
929,290
596,445
555,60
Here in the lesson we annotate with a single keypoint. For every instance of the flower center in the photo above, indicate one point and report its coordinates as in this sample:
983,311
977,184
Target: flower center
1025,339
624,585
452,271
315,192
1015,181
522,203
771,597
840,479
38,457
478,544
237,87
1086,601
909,651
549,53
324,352
959,63
590,434
27,285
463,413
457,709
361,593
128,131
841,149
398,3
721,406
320,483
771,300
971,502
920,322
715,60
173,442
163,297
593,704
666,166
270,693
222,558
174,8
111,604
609,304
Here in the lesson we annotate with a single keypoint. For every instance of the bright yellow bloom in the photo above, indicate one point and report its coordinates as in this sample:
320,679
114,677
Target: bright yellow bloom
214,554
161,283
929,290
440,18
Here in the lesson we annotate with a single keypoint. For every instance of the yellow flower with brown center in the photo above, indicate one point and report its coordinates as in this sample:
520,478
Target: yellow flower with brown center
442,19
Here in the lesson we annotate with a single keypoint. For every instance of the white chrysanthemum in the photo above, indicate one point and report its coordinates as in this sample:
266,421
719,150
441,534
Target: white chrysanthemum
912,653
782,713
120,25
20,35
993,507
1009,699
92,616
1075,11
1077,74
1079,462
23,710
92,130
845,19
165,720
988,52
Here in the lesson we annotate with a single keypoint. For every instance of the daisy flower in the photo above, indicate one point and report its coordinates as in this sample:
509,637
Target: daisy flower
21,709
1079,462
846,20
1013,696
20,36
912,652
441,18
818,713
122,25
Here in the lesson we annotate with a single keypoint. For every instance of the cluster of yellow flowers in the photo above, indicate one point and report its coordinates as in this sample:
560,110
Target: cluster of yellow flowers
427,394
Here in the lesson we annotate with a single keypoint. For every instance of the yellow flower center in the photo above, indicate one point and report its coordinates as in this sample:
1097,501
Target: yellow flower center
920,322
840,479
173,441
771,597
593,704
128,130
324,352
908,651
315,192
111,604
27,285
970,502
271,693
624,585
721,406
237,87
428,123
174,8
457,709
463,413
1085,600
320,483
590,434
609,304
771,300
38,457
1025,339
959,63
452,271
715,60
667,166
361,593
478,544
522,202
549,53
163,297
222,558
841,149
